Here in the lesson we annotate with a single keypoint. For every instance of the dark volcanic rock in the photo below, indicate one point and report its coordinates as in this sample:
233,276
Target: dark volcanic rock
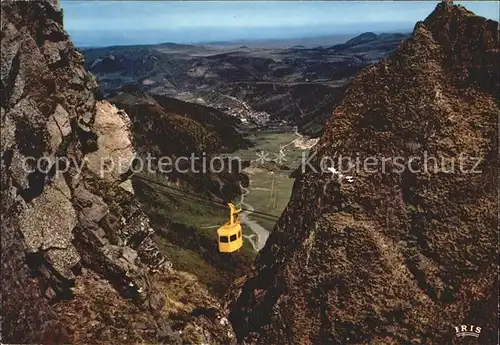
78,261
393,257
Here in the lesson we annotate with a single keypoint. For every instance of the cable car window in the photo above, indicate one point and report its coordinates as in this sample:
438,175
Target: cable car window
239,234
233,238
223,239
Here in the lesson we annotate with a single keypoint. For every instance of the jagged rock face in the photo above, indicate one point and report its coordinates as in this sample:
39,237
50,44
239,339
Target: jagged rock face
78,261
393,258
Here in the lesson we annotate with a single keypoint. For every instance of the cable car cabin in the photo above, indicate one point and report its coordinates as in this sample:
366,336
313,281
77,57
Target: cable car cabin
229,235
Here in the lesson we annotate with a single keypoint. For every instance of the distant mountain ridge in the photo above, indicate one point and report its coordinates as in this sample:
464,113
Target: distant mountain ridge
363,38
370,41
264,79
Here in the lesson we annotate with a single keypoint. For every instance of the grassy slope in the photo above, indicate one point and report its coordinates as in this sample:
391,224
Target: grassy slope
186,232
187,227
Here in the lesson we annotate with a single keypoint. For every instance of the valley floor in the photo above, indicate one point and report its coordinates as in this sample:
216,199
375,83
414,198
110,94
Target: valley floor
187,227
272,159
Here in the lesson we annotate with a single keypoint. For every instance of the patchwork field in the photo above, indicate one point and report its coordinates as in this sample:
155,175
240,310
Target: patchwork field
270,185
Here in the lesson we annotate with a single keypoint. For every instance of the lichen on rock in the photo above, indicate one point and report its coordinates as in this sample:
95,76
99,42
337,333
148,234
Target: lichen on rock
79,264
395,257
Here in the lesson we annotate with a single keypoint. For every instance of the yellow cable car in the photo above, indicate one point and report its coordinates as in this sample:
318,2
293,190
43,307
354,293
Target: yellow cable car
229,235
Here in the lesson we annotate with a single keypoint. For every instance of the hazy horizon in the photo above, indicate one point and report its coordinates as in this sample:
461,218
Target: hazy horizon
105,38
105,23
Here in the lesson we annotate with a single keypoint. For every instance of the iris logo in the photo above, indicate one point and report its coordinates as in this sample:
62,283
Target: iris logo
467,331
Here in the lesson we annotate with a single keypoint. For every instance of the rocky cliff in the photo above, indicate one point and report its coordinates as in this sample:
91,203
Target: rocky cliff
396,256
78,261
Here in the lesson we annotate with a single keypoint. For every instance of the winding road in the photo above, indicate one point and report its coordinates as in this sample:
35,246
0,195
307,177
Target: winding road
260,232
259,237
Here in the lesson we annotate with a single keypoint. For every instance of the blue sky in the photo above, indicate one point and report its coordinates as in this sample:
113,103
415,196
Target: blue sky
144,22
